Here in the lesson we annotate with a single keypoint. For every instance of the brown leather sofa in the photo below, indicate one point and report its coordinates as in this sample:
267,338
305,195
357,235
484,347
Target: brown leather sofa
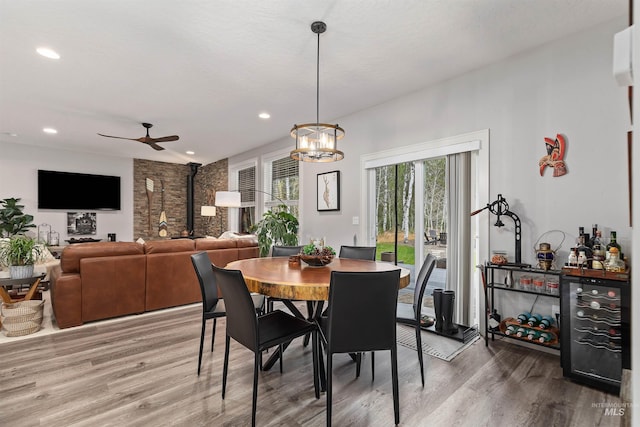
102,280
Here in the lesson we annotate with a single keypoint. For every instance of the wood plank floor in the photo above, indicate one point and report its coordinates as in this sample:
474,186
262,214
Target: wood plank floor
142,372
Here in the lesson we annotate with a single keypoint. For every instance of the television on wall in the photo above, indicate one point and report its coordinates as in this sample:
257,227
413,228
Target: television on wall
69,190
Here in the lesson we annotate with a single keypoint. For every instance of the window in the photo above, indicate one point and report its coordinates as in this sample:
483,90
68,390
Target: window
247,188
282,184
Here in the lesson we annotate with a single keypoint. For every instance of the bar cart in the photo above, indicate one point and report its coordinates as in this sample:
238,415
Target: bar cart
510,326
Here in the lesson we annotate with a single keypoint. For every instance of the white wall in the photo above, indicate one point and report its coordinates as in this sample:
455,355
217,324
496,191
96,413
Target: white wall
19,166
565,87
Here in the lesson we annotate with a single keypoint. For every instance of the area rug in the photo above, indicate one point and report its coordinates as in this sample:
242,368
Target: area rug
432,344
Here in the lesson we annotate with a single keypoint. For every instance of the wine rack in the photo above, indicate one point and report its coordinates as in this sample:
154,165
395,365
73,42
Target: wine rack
496,285
531,333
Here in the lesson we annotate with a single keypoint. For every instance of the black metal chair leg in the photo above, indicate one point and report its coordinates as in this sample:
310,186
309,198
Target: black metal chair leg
315,349
394,380
201,345
419,347
373,366
213,334
254,405
225,365
329,371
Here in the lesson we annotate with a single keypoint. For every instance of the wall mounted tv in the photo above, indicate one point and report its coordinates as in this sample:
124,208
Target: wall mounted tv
68,190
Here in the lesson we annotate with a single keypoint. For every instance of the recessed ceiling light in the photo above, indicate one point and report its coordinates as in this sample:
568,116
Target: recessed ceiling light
9,134
191,153
48,53
49,130
264,115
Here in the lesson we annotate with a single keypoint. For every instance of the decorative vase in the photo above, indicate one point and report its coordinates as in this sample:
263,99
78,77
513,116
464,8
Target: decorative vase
21,271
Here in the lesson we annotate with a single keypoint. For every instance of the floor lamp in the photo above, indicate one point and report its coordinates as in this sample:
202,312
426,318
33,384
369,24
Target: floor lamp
227,199
233,199
208,212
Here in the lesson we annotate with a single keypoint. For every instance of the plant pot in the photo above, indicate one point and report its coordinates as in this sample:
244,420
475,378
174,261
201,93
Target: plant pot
21,271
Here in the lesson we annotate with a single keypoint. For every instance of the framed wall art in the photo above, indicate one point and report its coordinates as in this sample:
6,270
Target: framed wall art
329,191
81,223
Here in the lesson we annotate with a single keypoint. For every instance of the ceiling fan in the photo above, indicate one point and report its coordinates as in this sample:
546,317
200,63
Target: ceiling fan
152,142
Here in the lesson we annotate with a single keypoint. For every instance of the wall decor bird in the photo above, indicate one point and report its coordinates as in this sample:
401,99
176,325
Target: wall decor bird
555,156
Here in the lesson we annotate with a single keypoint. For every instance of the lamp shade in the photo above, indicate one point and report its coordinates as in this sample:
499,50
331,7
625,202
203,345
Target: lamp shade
208,211
228,199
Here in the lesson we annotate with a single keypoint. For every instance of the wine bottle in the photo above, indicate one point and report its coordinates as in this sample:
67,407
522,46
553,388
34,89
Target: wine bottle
511,330
584,250
573,258
598,251
614,263
613,243
594,232
534,320
544,337
586,242
582,259
546,322
523,317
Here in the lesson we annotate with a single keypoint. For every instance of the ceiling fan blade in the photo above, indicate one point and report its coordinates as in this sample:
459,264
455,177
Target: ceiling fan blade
152,142
154,146
119,137
165,138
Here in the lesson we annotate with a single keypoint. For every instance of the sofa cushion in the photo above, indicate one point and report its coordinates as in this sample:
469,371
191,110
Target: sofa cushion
173,245
209,244
112,286
72,254
171,280
247,241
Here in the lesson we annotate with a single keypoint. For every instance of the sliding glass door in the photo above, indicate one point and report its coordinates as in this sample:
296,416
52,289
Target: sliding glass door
396,218
418,200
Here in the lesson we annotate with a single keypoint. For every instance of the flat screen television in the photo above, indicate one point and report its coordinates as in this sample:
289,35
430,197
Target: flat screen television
68,190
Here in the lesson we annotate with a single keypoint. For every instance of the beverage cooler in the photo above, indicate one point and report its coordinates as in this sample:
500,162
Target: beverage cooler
595,327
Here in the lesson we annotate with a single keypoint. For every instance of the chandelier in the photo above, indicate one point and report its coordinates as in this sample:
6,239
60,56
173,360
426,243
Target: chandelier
317,142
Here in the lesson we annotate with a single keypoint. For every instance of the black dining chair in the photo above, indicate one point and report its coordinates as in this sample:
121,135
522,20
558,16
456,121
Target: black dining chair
368,325
358,252
367,253
212,306
411,314
285,250
258,332
278,251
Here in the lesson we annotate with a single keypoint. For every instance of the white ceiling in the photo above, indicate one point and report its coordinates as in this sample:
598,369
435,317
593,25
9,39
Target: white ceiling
204,69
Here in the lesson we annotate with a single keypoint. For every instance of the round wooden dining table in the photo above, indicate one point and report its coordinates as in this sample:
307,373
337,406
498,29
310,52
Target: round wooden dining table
275,277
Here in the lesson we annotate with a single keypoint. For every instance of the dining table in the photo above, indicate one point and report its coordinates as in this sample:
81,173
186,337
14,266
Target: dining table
296,281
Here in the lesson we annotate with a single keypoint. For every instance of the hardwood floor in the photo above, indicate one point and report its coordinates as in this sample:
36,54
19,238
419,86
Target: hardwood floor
142,372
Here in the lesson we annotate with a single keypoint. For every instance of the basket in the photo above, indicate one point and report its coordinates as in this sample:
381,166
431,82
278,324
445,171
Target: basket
316,260
21,318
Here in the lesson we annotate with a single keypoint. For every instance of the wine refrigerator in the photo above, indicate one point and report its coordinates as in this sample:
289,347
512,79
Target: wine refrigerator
595,327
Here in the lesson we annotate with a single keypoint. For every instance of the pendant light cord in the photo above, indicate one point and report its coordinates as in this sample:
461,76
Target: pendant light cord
318,84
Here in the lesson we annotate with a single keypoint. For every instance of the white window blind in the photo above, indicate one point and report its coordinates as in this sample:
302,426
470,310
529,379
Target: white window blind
284,180
247,185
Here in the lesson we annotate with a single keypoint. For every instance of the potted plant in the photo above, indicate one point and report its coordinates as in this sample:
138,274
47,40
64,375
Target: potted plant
277,227
12,219
20,252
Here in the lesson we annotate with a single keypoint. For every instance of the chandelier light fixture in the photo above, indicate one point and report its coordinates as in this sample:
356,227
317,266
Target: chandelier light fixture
317,142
